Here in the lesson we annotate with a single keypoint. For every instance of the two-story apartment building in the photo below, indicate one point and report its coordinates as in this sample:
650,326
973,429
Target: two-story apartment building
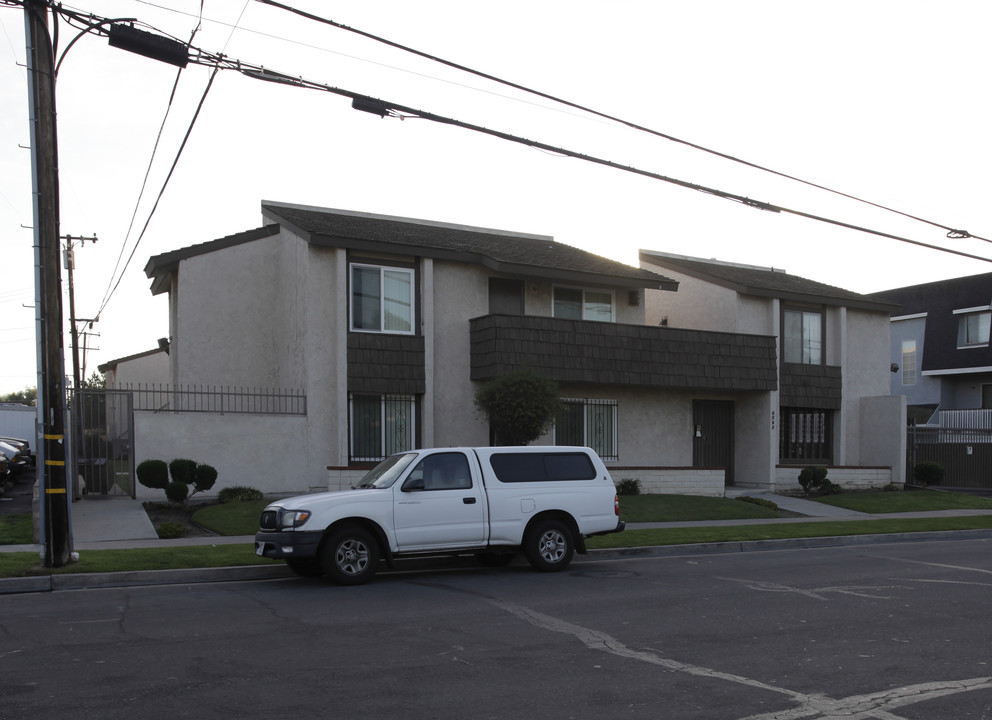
388,325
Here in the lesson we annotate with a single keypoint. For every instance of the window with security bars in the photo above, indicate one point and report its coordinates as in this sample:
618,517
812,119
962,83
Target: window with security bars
589,423
806,435
381,425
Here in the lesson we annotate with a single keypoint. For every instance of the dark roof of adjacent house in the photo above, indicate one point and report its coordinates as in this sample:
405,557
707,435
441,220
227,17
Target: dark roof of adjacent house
505,252
938,301
112,364
764,282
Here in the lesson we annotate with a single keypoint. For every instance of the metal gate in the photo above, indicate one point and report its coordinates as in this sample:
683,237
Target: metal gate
713,436
103,435
964,453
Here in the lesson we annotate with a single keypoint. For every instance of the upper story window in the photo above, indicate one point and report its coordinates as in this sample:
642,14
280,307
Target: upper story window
802,336
908,362
381,299
578,304
973,327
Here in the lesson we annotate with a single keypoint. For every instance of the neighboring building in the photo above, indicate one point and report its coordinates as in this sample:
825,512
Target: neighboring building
832,404
150,367
385,327
940,351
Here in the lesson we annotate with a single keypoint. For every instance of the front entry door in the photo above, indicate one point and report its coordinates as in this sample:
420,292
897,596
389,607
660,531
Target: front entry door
713,435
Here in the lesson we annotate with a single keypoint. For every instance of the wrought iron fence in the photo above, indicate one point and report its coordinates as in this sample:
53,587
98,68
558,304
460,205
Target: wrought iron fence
964,453
217,399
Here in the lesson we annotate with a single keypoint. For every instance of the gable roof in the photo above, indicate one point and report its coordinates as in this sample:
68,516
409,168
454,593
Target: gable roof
500,251
159,267
518,254
764,282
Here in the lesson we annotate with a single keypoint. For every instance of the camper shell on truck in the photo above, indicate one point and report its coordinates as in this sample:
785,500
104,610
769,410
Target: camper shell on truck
494,501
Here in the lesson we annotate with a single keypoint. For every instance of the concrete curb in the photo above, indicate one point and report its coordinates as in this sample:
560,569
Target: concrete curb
84,581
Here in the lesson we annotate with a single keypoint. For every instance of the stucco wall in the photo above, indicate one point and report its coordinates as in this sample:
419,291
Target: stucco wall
151,369
263,451
239,313
865,375
696,304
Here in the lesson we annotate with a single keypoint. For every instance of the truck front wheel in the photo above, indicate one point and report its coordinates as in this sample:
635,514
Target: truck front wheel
350,556
549,546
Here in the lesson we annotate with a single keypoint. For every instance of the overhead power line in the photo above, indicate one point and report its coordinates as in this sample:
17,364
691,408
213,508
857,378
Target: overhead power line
952,233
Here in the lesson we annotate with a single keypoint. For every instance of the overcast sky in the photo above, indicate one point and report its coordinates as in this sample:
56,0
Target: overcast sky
886,100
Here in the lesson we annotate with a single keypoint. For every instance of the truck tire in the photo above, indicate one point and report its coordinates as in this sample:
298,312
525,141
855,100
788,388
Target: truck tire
350,555
549,545
305,568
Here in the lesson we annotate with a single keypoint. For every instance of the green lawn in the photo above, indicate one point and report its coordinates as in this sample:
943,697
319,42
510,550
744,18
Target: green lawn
242,519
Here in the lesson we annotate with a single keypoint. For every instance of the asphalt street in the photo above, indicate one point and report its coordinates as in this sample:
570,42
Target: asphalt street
884,631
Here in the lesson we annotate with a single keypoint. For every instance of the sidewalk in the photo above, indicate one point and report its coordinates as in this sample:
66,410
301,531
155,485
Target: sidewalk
114,523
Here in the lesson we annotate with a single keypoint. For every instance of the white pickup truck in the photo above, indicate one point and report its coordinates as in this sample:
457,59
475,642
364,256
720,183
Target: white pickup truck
492,501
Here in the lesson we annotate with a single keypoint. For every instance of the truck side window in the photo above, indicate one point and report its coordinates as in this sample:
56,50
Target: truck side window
444,471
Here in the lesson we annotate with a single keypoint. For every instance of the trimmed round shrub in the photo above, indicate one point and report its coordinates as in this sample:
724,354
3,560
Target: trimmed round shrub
170,529
928,473
153,474
239,493
177,491
183,470
813,478
204,478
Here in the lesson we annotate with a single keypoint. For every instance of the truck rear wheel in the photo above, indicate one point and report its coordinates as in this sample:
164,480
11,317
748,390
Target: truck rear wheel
549,545
350,556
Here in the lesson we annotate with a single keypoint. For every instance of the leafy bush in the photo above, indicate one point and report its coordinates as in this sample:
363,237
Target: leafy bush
520,406
814,481
239,493
629,486
153,474
762,502
169,530
177,491
183,470
928,473
204,477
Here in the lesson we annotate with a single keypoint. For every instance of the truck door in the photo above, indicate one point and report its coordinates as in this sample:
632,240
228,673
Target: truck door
440,504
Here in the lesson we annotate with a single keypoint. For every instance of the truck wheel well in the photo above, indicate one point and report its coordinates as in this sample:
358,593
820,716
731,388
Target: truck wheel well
561,515
365,523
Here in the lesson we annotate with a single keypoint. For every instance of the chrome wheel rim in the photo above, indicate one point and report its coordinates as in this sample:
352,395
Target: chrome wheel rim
552,546
352,557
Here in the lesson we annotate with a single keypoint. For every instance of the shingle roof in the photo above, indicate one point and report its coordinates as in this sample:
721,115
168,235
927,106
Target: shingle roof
764,282
514,253
955,293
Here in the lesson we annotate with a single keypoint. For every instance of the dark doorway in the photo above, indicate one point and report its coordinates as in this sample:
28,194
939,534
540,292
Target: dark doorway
713,435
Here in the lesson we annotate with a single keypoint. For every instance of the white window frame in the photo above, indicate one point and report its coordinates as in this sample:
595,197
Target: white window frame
383,270
606,452
964,317
909,362
807,345
585,302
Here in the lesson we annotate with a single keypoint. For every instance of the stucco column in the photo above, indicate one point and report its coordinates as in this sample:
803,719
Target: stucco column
427,328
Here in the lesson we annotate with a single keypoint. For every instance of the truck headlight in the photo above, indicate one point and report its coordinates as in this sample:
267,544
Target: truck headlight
293,518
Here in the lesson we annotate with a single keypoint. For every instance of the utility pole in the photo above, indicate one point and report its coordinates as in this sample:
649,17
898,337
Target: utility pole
52,484
76,408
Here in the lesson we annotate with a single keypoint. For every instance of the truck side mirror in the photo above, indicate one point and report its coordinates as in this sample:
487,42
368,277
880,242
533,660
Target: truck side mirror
413,484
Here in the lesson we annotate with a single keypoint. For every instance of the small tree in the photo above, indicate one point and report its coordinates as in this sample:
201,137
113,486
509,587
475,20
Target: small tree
520,406
204,477
814,481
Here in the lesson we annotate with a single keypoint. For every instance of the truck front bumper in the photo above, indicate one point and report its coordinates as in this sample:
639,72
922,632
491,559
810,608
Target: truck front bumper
287,545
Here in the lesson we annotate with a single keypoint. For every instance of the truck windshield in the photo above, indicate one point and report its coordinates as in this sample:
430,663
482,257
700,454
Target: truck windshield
385,473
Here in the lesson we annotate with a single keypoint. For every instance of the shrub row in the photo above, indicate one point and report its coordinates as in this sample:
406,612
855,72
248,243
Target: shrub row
184,473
